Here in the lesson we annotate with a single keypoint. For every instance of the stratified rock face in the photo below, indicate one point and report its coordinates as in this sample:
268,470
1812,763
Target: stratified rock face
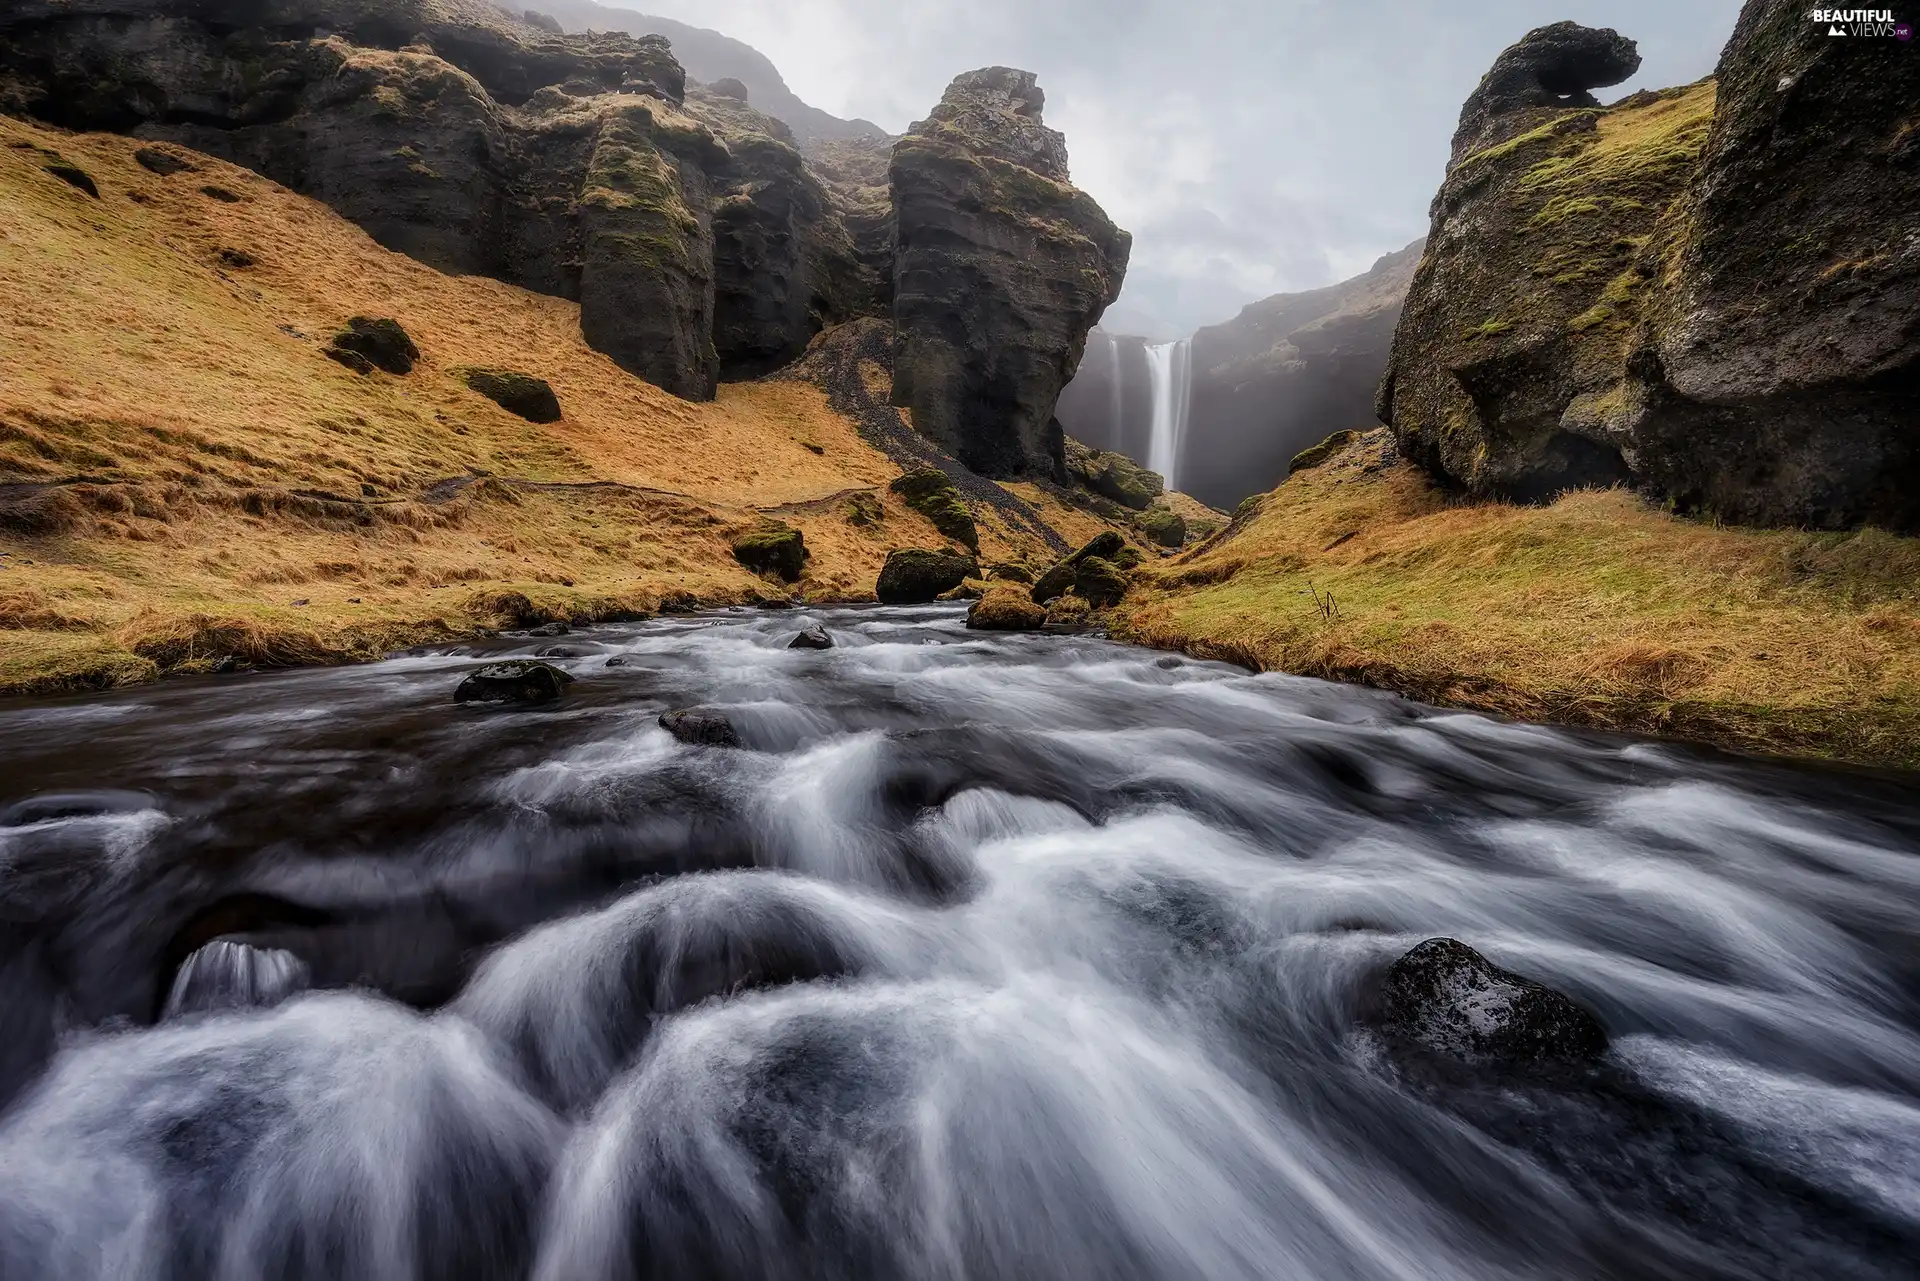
480,143
1001,267
1710,292
1285,372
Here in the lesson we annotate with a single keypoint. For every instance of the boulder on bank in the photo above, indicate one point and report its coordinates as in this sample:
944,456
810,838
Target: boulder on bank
369,343
1313,455
1099,582
1005,609
932,493
814,637
1113,476
514,681
1059,579
702,726
772,547
1446,998
1164,526
912,576
521,394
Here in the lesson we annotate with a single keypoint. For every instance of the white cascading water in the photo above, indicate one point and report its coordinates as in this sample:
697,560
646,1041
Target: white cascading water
1115,406
1170,372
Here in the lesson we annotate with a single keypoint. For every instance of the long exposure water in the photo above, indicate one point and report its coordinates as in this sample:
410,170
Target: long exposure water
1024,957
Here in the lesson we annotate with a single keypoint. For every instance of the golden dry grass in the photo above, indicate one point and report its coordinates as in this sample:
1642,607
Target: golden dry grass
182,470
1598,610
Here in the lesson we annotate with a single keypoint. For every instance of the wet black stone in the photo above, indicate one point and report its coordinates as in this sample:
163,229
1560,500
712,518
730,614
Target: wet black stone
515,681
700,725
1444,998
814,637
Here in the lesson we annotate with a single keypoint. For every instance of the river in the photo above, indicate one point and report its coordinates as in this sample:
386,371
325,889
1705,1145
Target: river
984,957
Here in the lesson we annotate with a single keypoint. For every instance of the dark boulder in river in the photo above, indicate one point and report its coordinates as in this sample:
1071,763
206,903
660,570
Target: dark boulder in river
814,637
1447,998
518,680
700,725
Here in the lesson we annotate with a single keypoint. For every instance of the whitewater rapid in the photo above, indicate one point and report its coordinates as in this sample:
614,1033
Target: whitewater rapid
1014,957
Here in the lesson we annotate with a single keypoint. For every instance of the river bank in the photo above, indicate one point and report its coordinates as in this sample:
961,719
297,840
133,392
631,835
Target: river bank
1597,611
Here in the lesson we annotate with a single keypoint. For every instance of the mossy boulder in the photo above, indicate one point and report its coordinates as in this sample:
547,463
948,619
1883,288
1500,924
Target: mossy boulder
865,511
1114,477
1099,582
1313,455
913,576
1005,609
701,726
1007,572
1059,579
370,342
1056,581
1163,525
1068,611
932,493
773,547
522,394
163,163
74,176
1128,558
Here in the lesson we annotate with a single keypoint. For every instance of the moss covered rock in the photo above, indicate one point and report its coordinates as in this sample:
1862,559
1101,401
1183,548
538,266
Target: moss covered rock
1005,609
1313,455
1056,581
1114,477
1164,526
1099,582
1060,578
772,547
369,343
522,394
932,493
912,576
1006,572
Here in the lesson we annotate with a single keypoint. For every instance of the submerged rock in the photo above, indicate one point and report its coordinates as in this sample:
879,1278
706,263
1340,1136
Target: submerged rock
703,726
1446,998
814,637
515,681
773,548
915,577
1001,267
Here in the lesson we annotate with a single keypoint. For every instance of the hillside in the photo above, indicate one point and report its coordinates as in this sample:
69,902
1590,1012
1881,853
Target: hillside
1597,610
184,476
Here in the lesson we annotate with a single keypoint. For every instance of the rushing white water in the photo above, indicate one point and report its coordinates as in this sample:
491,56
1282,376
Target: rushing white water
1116,400
1170,373
1027,957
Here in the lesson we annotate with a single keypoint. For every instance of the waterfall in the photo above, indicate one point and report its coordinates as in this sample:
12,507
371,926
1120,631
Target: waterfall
1115,407
1170,370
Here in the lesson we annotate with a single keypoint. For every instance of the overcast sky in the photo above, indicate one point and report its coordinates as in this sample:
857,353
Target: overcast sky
1251,146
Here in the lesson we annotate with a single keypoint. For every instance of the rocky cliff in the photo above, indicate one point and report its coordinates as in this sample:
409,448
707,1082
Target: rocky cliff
1711,292
480,143
1283,373
1001,267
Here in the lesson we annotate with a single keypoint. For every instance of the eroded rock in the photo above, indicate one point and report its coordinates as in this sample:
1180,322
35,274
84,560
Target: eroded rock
1000,269
514,681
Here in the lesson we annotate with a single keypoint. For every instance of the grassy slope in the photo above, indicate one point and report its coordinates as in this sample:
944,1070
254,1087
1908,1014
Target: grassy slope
191,398
1596,611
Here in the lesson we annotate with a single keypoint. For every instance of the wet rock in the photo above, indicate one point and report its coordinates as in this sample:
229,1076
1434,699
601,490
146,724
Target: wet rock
164,163
772,548
703,726
1006,609
550,629
515,681
1447,999
618,660
558,651
1099,582
915,577
814,637
932,493
521,394
49,806
1001,268
74,176
379,342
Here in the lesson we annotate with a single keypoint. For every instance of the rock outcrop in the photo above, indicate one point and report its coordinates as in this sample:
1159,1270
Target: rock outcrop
1001,267
1710,292
480,143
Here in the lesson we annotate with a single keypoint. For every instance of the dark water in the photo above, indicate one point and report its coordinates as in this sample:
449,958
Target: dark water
1012,958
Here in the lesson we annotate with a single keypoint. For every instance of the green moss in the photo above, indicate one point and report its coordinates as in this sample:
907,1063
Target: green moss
1543,133
772,548
1313,455
930,492
1488,328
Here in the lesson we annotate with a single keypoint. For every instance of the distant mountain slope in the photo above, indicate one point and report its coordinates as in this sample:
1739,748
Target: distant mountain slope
1285,373
709,56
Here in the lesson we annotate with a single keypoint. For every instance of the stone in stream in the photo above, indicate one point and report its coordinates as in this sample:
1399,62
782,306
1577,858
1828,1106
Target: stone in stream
1444,997
702,726
814,637
519,680
1005,609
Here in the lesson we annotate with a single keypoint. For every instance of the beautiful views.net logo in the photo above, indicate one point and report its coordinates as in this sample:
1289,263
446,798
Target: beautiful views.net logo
1861,22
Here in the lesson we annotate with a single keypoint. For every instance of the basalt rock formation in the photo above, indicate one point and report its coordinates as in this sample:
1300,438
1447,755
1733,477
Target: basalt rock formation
479,143
1001,267
1709,292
